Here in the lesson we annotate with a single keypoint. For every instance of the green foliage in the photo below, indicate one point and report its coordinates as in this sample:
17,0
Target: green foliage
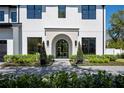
111,57
101,58
22,59
98,60
120,60
73,59
43,52
62,79
121,55
95,58
119,44
50,58
117,22
79,54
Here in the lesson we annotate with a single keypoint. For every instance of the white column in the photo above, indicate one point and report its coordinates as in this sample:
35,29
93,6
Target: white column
10,47
16,40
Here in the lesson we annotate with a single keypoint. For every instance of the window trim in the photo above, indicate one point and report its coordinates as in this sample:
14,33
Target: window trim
15,17
89,40
3,16
88,18
34,13
32,38
64,11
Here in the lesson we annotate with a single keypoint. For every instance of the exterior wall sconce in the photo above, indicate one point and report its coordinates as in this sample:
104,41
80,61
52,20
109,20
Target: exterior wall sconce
47,42
75,43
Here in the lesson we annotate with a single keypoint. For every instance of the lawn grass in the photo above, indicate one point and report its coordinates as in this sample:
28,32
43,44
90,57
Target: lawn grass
120,60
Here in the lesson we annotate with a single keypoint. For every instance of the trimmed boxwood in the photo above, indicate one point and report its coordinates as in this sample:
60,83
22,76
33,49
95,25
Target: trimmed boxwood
111,57
73,59
50,58
99,60
22,59
102,58
26,60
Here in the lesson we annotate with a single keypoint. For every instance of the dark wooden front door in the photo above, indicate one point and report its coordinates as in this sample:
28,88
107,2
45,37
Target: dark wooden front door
3,49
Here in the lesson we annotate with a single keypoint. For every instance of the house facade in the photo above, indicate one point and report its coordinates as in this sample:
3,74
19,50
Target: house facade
61,27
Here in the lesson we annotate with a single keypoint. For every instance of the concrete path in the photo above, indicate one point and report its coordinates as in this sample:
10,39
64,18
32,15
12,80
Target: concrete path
1,63
62,65
112,69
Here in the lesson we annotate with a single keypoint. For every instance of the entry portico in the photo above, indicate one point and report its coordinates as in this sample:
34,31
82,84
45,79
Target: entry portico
61,42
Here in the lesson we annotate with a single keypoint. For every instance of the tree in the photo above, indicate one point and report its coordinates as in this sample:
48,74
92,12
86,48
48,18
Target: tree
79,54
43,55
116,31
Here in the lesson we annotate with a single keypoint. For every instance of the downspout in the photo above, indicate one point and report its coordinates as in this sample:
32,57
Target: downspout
8,14
103,6
18,14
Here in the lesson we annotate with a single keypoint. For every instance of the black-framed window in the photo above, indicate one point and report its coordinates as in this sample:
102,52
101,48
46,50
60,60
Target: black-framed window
34,43
1,15
34,11
13,16
88,11
62,11
89,45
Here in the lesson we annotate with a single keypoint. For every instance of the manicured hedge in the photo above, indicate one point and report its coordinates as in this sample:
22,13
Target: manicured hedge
73,59
96,58
62,80
26,60
30,58
111,57
101,58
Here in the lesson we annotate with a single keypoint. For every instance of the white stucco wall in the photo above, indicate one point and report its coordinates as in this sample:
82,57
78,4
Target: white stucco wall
70,35
50,26
87,28
7,14
27,34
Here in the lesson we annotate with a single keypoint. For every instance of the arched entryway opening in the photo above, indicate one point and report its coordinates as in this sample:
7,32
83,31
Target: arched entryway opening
62,49
61,46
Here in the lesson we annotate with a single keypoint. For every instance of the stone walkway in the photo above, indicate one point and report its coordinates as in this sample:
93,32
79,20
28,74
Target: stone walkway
62,65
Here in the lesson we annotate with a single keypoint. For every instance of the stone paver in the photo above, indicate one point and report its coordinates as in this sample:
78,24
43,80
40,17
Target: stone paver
62,65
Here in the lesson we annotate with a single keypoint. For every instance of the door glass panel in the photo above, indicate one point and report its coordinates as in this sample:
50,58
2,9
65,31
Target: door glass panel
33,43
89,45
62,49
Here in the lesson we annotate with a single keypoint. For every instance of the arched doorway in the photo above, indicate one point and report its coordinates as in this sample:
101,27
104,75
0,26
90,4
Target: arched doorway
57,42
62,49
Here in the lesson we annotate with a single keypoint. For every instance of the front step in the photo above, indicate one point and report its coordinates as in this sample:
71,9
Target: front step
61,62
61,59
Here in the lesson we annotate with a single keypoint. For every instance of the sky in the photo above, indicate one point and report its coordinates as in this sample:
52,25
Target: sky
110,9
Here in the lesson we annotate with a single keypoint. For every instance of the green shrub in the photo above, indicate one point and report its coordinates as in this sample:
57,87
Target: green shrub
43,55
50,58
73,58
98,60
111,57
122,55
118,44
22,59
80,58
102,58
62,79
